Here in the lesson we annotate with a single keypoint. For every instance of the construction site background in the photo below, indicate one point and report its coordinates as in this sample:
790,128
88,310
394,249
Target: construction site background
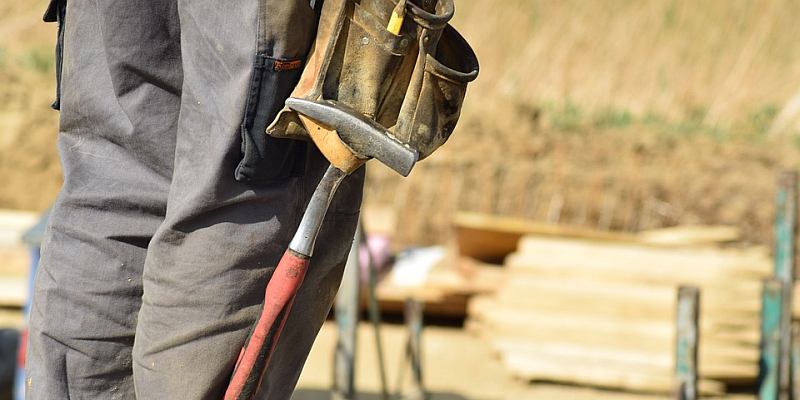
603,115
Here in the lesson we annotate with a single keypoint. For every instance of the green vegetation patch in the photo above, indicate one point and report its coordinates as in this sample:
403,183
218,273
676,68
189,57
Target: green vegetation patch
38,59
569,116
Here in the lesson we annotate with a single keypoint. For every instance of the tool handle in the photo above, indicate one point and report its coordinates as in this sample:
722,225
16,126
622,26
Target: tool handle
258,349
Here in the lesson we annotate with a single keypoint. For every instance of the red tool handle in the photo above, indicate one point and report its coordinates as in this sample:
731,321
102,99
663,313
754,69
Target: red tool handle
278,299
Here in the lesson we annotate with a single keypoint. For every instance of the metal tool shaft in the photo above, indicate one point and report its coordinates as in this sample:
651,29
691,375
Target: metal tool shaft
306,235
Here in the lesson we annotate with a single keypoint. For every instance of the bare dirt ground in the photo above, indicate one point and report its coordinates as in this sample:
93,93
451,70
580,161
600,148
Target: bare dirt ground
456,366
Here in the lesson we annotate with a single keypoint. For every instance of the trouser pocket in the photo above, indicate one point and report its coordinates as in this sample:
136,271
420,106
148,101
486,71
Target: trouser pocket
56,10
265,157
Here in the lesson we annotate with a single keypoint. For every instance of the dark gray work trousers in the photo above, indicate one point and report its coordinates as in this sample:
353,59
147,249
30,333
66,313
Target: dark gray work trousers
176,207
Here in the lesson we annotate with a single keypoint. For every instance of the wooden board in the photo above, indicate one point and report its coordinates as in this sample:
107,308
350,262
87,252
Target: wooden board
603,312
633,271
624,359
544,326
577,370
580,294
13,291
15,260
756,261
490,238
691,235
14,223
446,289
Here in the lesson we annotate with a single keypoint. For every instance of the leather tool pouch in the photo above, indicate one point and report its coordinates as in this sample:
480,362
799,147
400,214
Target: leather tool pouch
412,83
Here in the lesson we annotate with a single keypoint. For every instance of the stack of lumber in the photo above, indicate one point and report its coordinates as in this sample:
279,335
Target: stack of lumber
435,276
602,312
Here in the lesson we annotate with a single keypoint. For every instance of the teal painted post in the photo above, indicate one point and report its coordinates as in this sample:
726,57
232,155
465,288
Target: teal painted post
771,300
795,360
688,312
785,234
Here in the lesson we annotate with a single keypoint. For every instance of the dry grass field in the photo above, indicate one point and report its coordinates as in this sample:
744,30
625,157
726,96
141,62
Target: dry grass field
616,115
608,114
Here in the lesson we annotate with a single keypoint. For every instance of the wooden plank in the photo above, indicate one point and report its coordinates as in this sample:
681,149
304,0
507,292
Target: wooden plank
619,298
490,238
661,360
11,318
755,260
13,291
617,308
796,301
14,223
545,326
641,252
526,227
464,276
713,358
449,306
539,367
609,269
577,370
719,341
695,235
15,260
446,288
615,302
486,245
538,326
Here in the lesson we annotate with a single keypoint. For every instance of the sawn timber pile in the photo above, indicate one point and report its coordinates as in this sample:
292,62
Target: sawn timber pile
602,313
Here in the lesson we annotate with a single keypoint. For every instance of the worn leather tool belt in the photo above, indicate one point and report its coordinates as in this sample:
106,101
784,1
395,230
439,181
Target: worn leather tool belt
412,83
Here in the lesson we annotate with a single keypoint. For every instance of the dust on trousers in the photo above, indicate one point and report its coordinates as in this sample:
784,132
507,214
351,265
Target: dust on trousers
175,206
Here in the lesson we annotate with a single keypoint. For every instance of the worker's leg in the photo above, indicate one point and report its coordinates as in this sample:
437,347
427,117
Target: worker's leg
209,263
315,297
120,102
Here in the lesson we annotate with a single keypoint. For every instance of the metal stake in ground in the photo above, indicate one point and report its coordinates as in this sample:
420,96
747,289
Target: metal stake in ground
770,339
795,360
413,315
785,233
686,344
347,314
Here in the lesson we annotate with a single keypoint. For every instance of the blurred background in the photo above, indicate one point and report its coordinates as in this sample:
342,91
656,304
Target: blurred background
596,120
